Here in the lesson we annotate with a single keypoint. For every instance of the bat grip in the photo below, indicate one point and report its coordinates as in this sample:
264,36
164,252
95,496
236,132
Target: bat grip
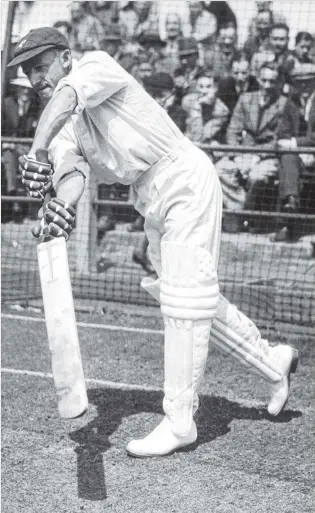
42,156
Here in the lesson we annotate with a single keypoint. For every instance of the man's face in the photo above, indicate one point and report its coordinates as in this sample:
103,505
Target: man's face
144,70
206,88
111,47
45,70
188,61
263,23
268,82
163,98
263,6
302,49
173,26
76,11
195,8
240,71
279,40
304,87
227,39
142,9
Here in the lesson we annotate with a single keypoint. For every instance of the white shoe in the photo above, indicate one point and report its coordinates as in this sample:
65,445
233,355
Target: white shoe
161,441
286,359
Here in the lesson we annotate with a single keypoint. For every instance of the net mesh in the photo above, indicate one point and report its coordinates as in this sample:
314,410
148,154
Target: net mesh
270,281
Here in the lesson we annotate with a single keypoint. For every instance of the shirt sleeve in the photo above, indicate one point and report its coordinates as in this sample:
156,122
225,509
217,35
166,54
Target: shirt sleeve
65,154
95,78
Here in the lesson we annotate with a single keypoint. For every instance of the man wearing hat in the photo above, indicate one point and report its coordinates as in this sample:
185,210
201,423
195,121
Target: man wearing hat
293,165
98,116
185,76
20,115
221,56
86,30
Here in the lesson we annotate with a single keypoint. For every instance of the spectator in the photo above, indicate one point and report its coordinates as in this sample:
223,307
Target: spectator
20,114
277,51
64,27
86,30
264,6
260,118
169,59
131,55
153,46
207,114
303,45
223,13
143,69
107,13
112,43
203,24
138,18
303,80
185,76
220,58
240,81
259,41
162,88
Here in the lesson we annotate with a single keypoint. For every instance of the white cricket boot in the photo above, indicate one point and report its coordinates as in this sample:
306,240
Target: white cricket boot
189,299
286,359
162,441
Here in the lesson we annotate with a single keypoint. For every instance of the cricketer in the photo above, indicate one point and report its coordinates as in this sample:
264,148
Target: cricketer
97,115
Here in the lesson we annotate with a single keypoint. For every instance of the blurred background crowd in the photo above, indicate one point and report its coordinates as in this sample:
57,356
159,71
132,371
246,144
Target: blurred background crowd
259,93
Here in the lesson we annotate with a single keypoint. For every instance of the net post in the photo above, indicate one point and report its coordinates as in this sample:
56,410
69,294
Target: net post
86,231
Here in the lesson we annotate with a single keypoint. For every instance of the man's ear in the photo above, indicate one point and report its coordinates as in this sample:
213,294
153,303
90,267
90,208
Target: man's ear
66,59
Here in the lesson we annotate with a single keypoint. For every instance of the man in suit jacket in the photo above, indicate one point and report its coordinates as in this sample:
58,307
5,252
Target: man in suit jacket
259,118
19,119
241,81
207,114
292,165
220,57
20,115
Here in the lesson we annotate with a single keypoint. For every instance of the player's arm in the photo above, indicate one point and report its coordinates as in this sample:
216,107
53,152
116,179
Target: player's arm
59,108
60,211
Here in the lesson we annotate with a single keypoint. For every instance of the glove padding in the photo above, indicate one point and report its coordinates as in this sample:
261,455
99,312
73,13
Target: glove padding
57,221
36,176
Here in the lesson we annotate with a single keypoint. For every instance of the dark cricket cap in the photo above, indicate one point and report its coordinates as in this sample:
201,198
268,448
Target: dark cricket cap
37,41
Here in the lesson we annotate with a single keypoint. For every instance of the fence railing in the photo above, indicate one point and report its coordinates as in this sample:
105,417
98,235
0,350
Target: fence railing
86,236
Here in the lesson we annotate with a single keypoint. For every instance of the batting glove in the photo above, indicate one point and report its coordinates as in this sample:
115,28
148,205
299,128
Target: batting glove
59,217
36,176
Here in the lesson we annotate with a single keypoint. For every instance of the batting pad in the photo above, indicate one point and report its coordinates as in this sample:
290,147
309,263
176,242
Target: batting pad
189,298
235,334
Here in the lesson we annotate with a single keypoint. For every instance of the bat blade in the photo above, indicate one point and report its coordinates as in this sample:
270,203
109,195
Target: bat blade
61,327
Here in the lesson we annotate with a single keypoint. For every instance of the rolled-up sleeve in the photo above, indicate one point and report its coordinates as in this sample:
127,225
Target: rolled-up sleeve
65,155
95,78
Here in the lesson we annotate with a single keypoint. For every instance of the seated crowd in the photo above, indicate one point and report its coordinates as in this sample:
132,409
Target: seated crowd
259,95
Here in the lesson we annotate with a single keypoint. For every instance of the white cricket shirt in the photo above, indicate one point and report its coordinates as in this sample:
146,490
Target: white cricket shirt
117,128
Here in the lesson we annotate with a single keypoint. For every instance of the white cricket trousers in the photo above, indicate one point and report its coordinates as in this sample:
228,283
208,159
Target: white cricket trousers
181,200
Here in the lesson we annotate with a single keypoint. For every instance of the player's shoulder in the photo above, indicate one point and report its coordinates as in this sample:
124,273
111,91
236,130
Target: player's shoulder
98,57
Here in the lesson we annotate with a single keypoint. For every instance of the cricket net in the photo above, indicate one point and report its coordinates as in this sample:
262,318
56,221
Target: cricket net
271,282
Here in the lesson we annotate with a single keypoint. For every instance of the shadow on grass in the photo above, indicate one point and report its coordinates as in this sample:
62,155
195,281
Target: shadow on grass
213,419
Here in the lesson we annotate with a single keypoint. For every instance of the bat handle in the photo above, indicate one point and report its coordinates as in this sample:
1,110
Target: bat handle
42,156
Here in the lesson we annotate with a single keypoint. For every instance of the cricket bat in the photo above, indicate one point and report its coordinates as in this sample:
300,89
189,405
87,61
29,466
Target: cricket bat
61,324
